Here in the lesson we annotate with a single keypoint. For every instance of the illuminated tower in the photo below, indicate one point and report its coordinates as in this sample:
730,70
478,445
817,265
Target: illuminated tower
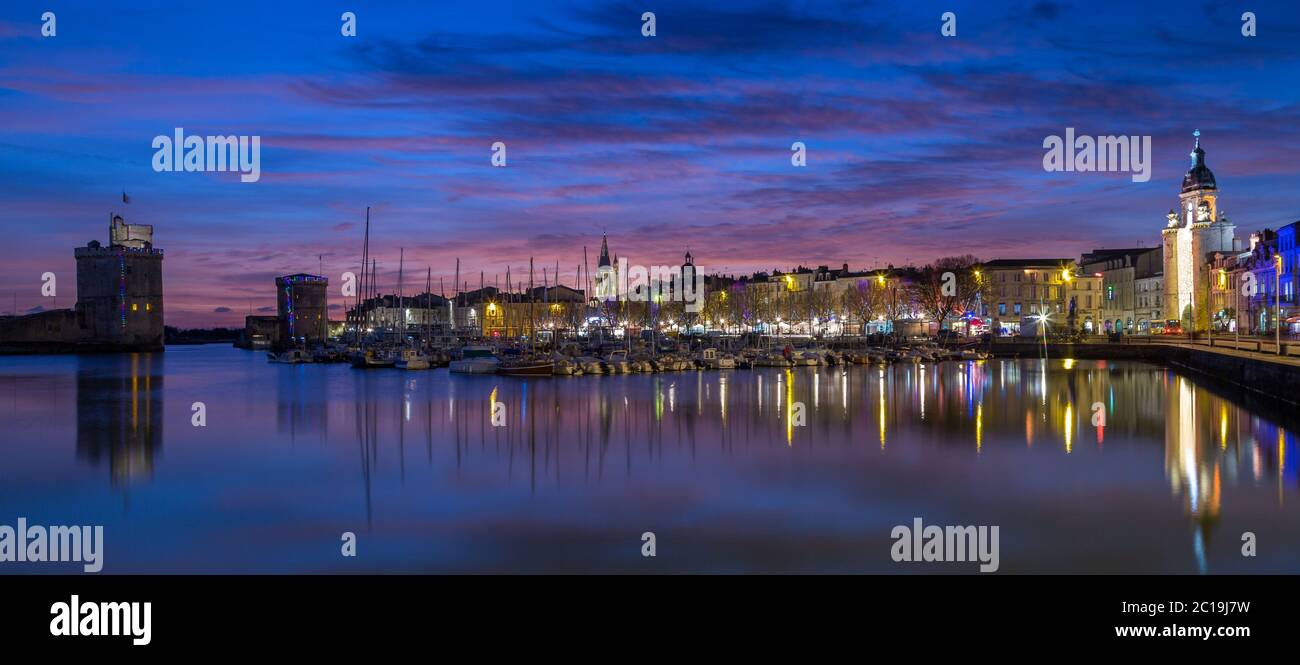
119,289
1191,233
303,309
606,275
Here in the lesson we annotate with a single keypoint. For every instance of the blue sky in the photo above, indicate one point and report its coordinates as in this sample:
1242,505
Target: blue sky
919,146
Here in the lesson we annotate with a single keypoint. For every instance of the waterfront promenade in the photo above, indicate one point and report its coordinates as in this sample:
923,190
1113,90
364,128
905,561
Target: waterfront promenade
1250,364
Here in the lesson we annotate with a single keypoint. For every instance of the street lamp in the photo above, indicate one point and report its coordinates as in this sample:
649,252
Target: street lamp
1209,305
1277,306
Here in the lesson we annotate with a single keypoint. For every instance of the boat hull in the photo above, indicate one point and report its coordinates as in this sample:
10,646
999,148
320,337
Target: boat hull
472,367
529,369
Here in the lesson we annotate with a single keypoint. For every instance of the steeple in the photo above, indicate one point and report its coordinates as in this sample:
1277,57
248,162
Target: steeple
604,252
1199,177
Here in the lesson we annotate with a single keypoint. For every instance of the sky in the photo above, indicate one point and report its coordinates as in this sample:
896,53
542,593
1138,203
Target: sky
918,145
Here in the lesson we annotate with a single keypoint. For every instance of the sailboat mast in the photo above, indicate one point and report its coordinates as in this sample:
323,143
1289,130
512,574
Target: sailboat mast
361,288
455,284
401,294
531,341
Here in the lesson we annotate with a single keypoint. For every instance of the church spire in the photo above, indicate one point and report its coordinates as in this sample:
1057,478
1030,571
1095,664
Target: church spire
1199,177
604,252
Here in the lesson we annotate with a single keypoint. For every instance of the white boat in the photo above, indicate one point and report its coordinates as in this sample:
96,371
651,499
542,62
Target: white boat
770,359
618,363
289,357
714,360
563,366
475,360
411,358
675,363
808,358
590,365
905,356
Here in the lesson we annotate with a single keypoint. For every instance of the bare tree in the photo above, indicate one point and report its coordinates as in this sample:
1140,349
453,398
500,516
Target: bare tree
862,300
947,286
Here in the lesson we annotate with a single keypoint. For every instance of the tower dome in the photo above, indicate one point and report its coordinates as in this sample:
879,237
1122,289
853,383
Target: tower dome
1199,177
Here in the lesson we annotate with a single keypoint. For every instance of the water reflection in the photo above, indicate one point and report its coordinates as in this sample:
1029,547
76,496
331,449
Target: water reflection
119,414
1046,448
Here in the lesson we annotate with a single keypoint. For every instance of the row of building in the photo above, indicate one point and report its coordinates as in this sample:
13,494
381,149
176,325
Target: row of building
1200,274
1203,275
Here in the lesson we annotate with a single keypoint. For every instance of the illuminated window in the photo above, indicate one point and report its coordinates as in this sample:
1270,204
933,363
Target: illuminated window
135,307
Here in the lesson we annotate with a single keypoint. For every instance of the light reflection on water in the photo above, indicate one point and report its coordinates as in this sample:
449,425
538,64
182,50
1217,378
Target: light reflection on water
1087,466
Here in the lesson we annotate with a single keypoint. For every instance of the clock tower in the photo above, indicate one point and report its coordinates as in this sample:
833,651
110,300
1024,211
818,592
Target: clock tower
1192,233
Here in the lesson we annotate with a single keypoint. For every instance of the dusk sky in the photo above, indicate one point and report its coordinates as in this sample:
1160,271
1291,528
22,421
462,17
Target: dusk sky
919,146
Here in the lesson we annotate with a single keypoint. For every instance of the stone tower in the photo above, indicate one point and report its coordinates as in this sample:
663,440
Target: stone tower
1193,232
120,289
303,306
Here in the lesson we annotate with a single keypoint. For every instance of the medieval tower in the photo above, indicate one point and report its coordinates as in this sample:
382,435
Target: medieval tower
1192,233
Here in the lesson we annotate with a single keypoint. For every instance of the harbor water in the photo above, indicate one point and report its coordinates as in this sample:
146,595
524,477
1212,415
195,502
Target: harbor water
210,459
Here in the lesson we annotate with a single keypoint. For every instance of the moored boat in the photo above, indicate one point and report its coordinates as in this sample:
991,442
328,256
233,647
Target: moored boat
525,366
412,359
289,357
372,358
475,360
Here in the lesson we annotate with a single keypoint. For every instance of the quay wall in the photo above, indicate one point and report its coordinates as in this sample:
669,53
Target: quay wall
1254,375
62,331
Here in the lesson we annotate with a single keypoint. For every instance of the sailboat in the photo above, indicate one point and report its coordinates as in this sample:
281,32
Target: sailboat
407,356
527,367
531,364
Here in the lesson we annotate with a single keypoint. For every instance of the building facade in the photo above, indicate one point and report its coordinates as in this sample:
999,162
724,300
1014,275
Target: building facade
1192,234
1120,270
1024,291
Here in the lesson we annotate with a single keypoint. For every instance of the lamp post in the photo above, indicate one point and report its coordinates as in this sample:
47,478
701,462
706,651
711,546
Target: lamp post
1236,311
1277,304
1209,304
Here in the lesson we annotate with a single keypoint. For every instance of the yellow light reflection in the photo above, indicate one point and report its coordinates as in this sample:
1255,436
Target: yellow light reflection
920,389
1223,426
722,396
789,408
882,409
1069,428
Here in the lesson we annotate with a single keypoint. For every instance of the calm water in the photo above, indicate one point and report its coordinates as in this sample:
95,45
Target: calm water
293,456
